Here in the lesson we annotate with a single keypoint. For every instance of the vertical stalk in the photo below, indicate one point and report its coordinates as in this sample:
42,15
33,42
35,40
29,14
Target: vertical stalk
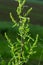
40,57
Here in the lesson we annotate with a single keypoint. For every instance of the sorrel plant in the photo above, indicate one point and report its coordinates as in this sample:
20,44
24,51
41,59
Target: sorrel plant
24,46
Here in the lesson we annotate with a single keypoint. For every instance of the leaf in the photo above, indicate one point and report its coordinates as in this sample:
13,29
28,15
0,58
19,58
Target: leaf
13,20
28,12
13,63
26,47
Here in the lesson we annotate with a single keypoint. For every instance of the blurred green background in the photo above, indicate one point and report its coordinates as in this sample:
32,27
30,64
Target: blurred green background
36,27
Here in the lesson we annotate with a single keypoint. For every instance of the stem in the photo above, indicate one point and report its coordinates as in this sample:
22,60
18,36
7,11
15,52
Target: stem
40,57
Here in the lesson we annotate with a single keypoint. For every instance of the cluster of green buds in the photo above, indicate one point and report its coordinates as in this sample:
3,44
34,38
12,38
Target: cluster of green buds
21,49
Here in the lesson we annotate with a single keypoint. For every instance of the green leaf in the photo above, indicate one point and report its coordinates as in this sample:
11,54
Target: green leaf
26,47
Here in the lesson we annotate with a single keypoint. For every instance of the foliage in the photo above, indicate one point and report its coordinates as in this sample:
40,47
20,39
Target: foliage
21,50
3,62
